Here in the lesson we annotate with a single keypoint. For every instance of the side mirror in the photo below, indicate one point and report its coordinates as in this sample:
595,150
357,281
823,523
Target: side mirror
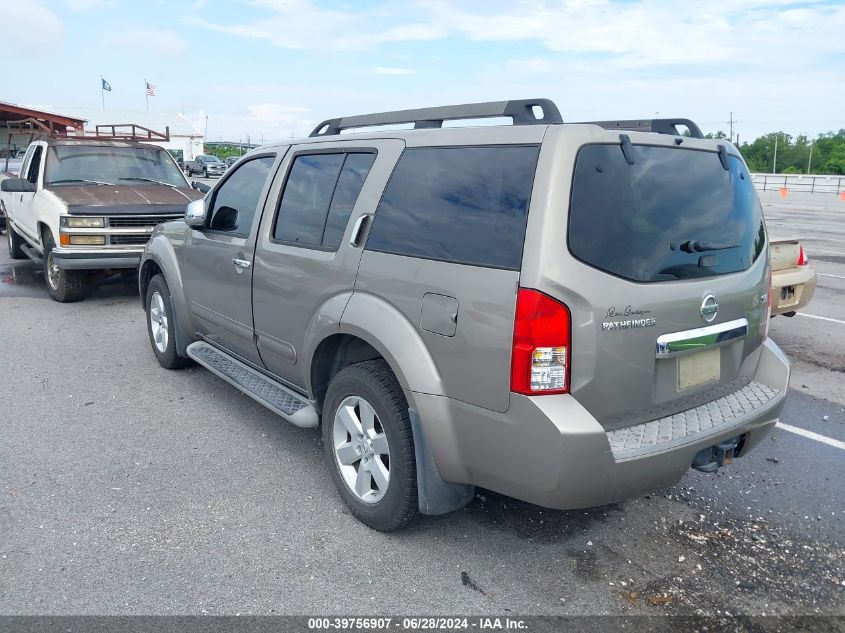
17,185
200,186
195,214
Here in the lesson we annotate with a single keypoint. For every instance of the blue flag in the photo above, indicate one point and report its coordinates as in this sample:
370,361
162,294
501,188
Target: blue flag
106,85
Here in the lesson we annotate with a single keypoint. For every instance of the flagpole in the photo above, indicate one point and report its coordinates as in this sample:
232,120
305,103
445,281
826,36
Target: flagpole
147,95
102,92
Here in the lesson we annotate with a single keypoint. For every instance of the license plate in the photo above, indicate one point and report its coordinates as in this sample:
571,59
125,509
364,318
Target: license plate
787,293
699,368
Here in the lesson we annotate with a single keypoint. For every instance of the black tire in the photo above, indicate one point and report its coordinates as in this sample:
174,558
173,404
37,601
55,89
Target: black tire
64,286
205,173
167,358
15,242
375,382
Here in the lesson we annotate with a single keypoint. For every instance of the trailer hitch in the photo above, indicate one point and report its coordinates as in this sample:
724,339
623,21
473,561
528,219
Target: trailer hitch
709,460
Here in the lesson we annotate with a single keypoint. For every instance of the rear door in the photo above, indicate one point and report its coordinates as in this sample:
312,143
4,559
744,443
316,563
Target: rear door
445,251
218,258
661,259
303,256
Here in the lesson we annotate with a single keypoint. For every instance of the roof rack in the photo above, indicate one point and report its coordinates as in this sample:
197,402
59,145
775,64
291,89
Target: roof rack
124,132
659,126
520,111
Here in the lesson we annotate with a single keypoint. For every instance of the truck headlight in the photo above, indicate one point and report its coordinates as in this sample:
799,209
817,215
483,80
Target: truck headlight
82,223
87,240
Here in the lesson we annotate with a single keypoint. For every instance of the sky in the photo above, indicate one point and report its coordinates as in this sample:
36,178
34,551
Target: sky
269,69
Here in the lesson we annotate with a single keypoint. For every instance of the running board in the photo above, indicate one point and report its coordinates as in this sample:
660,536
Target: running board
281,400
32,253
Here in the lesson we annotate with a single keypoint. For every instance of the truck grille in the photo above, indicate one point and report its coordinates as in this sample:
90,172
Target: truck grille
148,220
128,240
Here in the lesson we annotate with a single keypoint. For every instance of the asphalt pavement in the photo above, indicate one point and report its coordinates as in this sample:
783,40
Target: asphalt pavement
129,489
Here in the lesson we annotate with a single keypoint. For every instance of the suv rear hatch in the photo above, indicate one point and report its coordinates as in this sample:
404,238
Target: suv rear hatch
661,260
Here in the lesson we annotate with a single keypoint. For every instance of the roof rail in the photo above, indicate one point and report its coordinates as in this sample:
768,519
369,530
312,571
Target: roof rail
520,111
659,126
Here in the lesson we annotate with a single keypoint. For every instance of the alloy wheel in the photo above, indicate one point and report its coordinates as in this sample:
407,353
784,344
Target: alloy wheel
361,449
158,322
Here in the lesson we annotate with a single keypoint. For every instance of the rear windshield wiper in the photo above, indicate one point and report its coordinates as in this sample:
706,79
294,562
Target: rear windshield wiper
695,246
157,182
82,180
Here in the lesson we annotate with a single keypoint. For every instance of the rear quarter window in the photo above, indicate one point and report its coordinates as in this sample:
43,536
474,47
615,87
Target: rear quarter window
673,214
466,205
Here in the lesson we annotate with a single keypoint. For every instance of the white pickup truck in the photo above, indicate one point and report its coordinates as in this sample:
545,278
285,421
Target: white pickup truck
80,205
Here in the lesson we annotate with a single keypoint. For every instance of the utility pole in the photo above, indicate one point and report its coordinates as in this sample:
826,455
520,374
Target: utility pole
731,123
775,159
810,160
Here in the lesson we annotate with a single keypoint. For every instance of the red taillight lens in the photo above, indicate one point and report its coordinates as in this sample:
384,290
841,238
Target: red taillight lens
803,260
541,345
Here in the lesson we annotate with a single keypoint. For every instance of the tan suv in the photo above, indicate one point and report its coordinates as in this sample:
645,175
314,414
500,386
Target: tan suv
569,314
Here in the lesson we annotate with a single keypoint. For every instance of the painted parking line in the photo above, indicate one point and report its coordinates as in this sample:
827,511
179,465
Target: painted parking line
829,275
821,318
824,439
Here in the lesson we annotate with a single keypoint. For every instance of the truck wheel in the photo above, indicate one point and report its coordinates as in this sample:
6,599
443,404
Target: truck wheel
205,173
370,446
64,286
161,325
15,242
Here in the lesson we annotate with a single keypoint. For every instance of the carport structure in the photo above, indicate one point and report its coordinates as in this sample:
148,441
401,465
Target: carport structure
19,125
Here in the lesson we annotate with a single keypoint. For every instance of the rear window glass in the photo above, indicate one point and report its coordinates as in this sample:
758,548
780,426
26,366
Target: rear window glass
673,214
458,204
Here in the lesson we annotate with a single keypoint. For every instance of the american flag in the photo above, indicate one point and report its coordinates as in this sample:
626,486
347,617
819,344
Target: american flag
151,89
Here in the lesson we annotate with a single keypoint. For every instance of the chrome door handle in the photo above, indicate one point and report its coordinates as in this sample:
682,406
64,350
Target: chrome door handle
242,263
356,230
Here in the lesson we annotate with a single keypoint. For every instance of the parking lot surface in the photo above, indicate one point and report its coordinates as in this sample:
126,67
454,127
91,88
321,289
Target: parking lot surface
129,489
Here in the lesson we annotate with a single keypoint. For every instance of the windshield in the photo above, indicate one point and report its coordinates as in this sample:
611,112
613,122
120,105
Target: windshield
672,214
103,164
211,159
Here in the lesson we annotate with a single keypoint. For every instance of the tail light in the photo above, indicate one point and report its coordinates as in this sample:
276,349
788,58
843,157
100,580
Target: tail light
541,345
768,315
803,260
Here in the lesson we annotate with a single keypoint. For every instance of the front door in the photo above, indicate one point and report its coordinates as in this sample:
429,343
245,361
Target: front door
24,212
218,259
304,260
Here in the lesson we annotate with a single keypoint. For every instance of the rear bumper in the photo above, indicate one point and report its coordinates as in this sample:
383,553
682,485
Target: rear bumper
802,279
94,259
550,451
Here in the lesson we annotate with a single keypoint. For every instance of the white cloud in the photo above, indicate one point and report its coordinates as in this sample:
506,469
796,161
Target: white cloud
164,44
31,27
656,32
389,70
301,24
85,5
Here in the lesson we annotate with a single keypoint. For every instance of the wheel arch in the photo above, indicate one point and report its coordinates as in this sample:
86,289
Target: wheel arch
369,326
161,258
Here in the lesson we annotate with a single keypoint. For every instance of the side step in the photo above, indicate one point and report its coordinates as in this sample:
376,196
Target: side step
32,253
291,406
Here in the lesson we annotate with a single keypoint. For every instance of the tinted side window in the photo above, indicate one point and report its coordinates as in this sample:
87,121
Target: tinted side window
34,165
235,202
306,199
352,176
319,195
467,205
